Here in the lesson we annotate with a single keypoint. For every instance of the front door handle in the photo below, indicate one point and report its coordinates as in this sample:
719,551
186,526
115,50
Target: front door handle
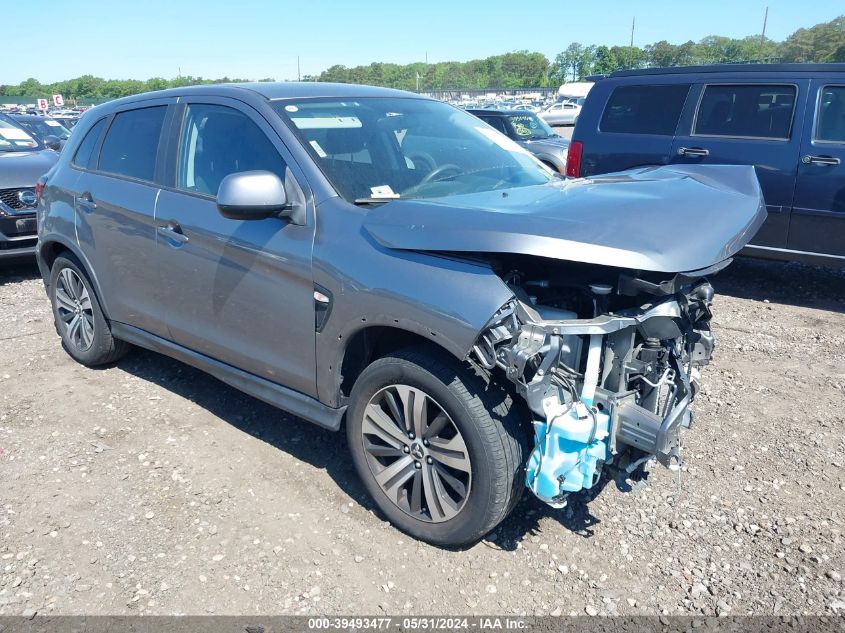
830,161
693,151
85,202
172,232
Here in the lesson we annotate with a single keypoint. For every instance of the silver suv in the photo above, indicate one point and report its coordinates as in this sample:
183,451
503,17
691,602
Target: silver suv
371,257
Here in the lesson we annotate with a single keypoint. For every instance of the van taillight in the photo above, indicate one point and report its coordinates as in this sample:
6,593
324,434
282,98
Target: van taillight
39,188
573,159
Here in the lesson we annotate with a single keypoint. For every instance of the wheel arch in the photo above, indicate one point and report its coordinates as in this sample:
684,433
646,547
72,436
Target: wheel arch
367,344
549,161
51,248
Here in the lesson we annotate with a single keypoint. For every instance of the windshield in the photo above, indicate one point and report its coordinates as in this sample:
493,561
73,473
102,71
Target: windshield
46,127
379,149
529,126
14,138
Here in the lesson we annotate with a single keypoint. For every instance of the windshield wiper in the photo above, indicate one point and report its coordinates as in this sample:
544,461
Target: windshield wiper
362,201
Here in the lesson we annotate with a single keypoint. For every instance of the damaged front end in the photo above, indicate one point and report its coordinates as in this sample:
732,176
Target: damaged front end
608,369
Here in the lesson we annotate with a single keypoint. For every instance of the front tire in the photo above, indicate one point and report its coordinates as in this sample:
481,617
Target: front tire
438,446
80,322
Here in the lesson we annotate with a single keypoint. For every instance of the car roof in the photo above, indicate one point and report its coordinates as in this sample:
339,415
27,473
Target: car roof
500,112
728,68
274,90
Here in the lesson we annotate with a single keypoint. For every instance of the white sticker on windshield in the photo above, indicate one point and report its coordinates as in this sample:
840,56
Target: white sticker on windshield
291,108
13,133
53,123
383,191
502,141
320,151
326,122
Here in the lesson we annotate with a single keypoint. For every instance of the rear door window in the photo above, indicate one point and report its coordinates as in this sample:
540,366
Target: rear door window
131,144
746,111
831,115
85,156
640,109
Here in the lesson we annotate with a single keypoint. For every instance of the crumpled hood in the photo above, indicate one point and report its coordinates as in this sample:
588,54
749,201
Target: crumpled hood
667,219
22,169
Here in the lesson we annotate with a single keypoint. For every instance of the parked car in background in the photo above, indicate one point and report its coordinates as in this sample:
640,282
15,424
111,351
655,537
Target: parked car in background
562,113
788,120
530,131
68,120
22,161
359,253
47,130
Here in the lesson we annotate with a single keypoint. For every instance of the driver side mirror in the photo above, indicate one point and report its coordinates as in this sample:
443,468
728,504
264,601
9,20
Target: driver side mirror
53,142
252,195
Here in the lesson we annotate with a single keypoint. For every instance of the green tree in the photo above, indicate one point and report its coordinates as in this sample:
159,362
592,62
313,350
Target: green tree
604,61
821,43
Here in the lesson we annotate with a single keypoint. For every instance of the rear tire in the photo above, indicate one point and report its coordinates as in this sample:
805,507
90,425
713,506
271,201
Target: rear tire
85,333
451,472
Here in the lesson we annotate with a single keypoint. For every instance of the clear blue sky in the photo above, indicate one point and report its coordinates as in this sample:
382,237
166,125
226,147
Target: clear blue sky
138,39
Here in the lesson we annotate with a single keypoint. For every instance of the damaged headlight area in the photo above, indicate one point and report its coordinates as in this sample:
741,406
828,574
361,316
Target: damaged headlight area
606,385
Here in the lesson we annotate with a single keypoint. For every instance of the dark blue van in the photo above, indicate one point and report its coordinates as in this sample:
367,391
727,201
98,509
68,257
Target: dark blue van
788,120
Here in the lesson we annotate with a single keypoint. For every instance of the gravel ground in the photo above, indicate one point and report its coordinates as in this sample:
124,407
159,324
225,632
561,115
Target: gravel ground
149,487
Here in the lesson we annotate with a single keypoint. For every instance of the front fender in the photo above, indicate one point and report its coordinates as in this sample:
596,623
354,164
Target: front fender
446,300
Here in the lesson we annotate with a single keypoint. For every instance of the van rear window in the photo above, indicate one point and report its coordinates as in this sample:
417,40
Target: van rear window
749,111
642,109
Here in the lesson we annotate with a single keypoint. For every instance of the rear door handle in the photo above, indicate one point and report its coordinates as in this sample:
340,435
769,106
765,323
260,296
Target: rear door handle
693,151
172,232
85,202
820,160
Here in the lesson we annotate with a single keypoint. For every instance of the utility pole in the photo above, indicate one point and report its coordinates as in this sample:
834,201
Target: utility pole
631,50
763,35
298,75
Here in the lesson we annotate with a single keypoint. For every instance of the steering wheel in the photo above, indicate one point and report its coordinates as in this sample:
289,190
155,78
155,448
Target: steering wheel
422,160
439,171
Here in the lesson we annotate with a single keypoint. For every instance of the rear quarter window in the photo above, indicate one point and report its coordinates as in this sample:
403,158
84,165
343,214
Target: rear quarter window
644,109
85,156
746,111
831,115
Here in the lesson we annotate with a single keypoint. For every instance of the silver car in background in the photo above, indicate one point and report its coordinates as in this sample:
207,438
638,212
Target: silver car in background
563,113
23,160
531,132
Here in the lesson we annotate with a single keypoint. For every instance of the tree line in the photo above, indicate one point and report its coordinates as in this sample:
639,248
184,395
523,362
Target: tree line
823,42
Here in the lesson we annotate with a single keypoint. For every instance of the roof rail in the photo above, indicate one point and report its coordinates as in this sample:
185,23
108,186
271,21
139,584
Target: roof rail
733,68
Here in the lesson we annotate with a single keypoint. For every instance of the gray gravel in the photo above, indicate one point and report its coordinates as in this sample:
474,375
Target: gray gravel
149,487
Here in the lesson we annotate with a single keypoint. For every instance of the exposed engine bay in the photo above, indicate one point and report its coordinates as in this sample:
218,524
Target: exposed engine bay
608,361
